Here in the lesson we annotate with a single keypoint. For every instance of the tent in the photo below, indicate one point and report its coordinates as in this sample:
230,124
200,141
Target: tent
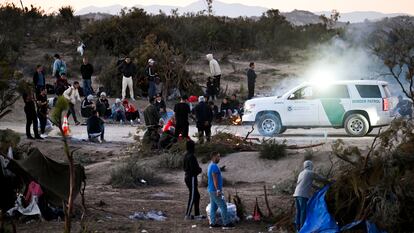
52,176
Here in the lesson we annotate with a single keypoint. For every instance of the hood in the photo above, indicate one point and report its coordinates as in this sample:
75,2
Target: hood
308,165
209,57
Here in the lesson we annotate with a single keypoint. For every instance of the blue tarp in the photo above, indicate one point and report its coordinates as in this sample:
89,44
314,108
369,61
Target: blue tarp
319,220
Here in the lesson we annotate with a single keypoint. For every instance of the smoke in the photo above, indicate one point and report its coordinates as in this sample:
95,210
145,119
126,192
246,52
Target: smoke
345,57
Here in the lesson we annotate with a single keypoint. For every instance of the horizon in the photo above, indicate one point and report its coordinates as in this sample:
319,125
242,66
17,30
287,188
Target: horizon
382,6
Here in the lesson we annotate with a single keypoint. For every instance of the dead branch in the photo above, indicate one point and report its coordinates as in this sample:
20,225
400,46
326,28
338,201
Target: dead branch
248,133
371,148
296,147
267,202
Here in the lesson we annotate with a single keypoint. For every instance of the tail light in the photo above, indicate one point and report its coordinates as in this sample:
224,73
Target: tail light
385,104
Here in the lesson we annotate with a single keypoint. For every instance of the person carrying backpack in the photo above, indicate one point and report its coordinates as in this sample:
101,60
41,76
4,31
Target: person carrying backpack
59,66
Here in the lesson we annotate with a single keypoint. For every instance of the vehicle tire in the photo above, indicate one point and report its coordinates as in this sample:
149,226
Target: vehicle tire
269,125
356,125
370,130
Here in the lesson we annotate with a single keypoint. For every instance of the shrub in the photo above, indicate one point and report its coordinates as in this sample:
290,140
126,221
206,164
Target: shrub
273,150
308,154
171,161
130,174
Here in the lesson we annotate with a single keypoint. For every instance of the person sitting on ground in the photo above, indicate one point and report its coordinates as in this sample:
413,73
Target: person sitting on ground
225,108
87,106
131,113
234,104
215,110
103,107
404,108
161,106
61,85
303,191
192,169
204,117
167,136
95,127
118,112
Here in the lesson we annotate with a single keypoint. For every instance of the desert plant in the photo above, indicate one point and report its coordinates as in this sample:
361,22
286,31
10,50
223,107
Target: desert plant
273,150
131,174
171,161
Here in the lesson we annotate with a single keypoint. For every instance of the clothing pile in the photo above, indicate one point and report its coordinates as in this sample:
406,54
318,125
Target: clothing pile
150,215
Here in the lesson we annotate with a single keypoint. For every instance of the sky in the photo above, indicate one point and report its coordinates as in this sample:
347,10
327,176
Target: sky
385,6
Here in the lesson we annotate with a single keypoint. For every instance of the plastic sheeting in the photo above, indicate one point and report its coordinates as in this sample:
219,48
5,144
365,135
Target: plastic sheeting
319,220
231,213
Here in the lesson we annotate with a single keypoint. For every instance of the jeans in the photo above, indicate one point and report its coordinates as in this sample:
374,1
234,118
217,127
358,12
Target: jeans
204,129
31,118
73,112
43,121
87,87
127,82
218,202
151,89
117,116
301,204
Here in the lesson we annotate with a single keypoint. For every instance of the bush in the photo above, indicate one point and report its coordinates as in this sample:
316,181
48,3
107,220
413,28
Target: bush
171,161
130,174
273,150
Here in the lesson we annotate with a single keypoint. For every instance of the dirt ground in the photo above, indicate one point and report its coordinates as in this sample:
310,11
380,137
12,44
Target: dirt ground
108,208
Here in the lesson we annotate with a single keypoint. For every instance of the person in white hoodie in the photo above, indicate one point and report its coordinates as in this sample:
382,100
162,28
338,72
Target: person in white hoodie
72,95
303,191
215,72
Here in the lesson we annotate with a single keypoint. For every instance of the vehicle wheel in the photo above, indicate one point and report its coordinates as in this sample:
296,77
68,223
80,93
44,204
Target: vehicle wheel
370,130
356,125
269,125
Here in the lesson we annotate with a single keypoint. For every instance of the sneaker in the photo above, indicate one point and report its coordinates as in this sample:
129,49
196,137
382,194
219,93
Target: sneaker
38,137
132,122
77,123
228,226
199,217
121,122
133,99
189,217
215,226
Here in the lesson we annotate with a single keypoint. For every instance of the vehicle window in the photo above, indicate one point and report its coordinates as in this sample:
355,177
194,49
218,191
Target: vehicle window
303,93
334,91
369,91
387,91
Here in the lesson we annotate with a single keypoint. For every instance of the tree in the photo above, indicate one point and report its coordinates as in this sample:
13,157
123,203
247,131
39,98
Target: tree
209,7
395,46
11,84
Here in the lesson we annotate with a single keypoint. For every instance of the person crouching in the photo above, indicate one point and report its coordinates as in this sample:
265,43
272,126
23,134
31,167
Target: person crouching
95,127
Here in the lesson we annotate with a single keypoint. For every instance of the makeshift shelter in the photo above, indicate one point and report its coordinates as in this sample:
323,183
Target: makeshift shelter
52,176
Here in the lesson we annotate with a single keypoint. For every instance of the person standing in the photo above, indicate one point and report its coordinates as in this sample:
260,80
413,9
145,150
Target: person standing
128,71
215,191
72,95
151,76
204,117
251,80
42,109
95,127
192,170
303,191
215,72
87,71
152,119
31,116
182,111
39,79
59,66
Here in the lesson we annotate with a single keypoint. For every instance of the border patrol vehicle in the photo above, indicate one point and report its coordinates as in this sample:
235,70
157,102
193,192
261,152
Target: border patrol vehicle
358,106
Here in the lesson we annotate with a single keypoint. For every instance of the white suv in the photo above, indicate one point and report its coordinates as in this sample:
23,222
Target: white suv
358,106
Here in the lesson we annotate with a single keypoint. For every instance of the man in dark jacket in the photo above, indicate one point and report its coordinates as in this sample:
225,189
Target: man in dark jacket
192,170
39,79
204,117
182,111
87,71
128,71
95,127
31,116
251,80
42,109
152,118
103,107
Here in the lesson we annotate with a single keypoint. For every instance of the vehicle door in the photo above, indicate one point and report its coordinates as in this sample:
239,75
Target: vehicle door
301,108
335,101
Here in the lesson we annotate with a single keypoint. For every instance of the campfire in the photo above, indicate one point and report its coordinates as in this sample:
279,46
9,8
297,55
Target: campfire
236,120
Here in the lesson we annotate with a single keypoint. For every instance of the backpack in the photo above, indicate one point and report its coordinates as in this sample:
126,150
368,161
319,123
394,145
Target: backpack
61,69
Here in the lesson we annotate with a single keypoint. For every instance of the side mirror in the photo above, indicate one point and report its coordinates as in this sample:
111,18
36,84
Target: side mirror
292,96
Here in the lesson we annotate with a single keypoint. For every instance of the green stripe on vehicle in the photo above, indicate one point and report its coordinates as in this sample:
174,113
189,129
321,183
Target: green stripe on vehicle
334,111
